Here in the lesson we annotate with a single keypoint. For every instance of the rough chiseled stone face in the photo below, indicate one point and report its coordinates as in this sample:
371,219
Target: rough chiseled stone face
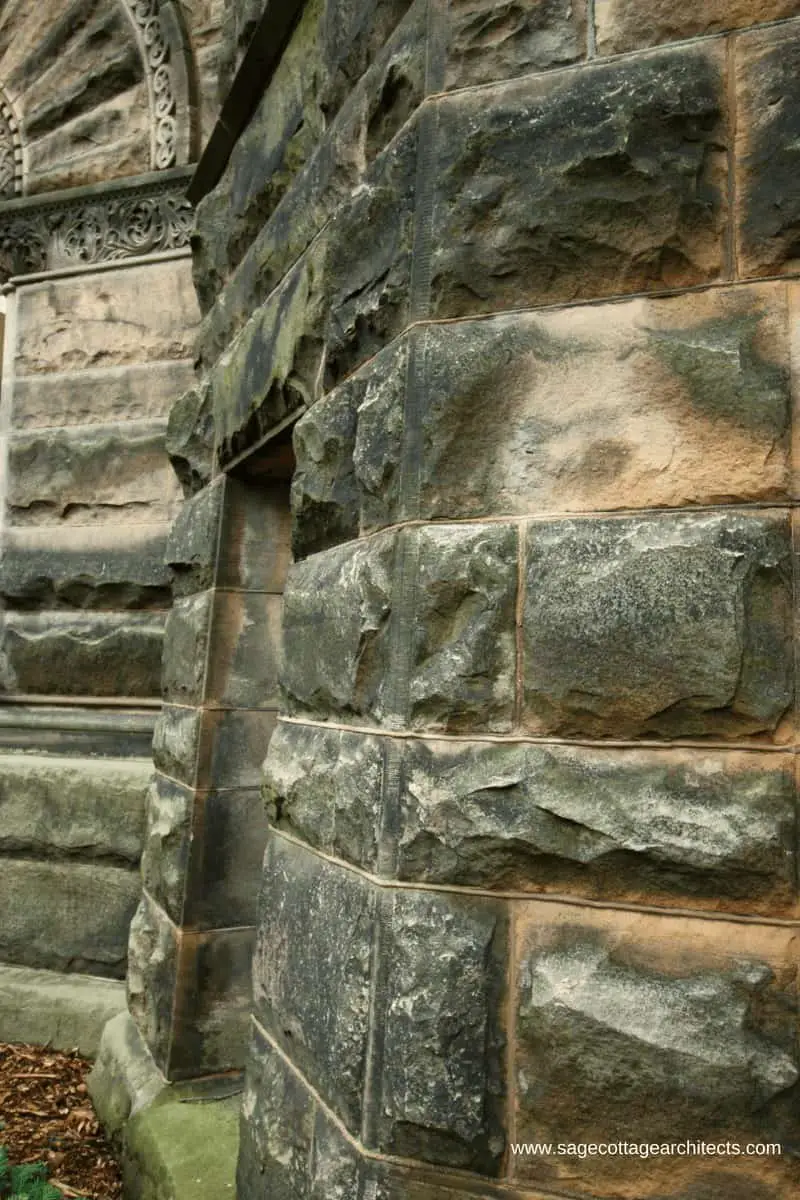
712,828
189,440
336,615
325,787
312,985
463,651
582,184
490,41
185,648
167,844
665,625
151,978
768,157
441,1072
653,1029
631,24
192,545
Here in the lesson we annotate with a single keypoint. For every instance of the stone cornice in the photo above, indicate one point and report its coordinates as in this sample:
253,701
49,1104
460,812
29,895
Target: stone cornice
85,226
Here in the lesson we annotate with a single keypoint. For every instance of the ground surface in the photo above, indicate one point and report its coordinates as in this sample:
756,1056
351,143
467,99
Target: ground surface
46,1116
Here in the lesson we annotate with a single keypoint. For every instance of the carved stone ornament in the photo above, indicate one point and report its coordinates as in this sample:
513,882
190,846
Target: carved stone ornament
10,152
119,223
156,50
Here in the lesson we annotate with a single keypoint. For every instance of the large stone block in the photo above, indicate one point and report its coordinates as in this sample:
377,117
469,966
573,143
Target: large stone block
114,474
659,625
191,549
336,616
710,828
152,977
490,41
581,184
87,807
133,315
176,740
81,654
312,970
212,999
189,440
654,1030
186,639
325,786
768,150
141,392
66,916
631,24
85,567
233,747
245,653
167,844
255,541
463,652
223,873
440,1078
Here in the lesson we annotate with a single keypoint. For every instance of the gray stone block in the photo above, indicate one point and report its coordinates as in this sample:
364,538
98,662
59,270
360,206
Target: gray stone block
176,741
63,1011
137,392
666,625
213,999
189,439
185,649
463,658
336,614
191,549
233,748
489,42
581,184
246,649
255,543
312,970
325,786
152,978
707,828
167,844
59,806
223,874
66,916
440,1079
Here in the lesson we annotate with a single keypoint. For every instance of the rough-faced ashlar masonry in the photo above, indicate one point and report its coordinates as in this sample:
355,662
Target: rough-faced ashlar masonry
471,586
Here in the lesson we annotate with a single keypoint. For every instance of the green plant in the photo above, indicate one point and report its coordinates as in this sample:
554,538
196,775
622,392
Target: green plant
28,1182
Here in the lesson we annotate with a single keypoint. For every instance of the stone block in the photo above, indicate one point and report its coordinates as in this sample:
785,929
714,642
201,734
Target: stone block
768,151
255,543
622,25
152,978
644,404
581,184
233,747
189,440
59,806
191,550
440,1082
186,638
213,1000
489,41
66,916
80,654
97,474
84,567
665,625
325,786
654,1029
133,315
709,829
167,844
245,654
62,1011
176,742
336,616
223,872
124,1078
312,970
325,497
463,653
137,392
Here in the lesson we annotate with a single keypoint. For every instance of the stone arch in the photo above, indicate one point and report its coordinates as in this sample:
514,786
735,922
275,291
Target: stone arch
167,61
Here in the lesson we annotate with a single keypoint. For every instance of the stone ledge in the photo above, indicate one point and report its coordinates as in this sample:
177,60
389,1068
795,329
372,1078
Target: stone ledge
62,1011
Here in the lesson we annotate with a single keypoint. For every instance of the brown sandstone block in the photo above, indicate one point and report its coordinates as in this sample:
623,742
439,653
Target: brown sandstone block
631,24
768,151
490,41
654,1029
245,652
580,184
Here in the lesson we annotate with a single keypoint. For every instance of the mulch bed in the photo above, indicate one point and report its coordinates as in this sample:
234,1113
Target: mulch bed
46,1116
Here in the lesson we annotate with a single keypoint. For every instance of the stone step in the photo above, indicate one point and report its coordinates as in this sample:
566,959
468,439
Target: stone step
87,807
63,1011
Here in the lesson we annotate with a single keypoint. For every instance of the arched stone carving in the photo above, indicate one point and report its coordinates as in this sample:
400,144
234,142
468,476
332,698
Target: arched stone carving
160,33
10,151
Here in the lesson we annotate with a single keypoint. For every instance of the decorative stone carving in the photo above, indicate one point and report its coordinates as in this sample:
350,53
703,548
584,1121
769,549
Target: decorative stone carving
157,60
10,151
121,223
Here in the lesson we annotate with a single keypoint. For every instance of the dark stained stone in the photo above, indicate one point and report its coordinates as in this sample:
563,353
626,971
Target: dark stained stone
151,978
185,648
312,970
325,787
325,502
190,439
167,843
666,625
192,544
490,41
581,184
440,1074
175,742
245,655
223,871
213,1000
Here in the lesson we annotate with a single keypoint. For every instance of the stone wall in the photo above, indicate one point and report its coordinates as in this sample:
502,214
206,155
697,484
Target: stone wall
524,279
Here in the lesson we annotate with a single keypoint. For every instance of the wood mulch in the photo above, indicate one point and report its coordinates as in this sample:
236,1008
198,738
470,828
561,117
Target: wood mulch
46,1116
